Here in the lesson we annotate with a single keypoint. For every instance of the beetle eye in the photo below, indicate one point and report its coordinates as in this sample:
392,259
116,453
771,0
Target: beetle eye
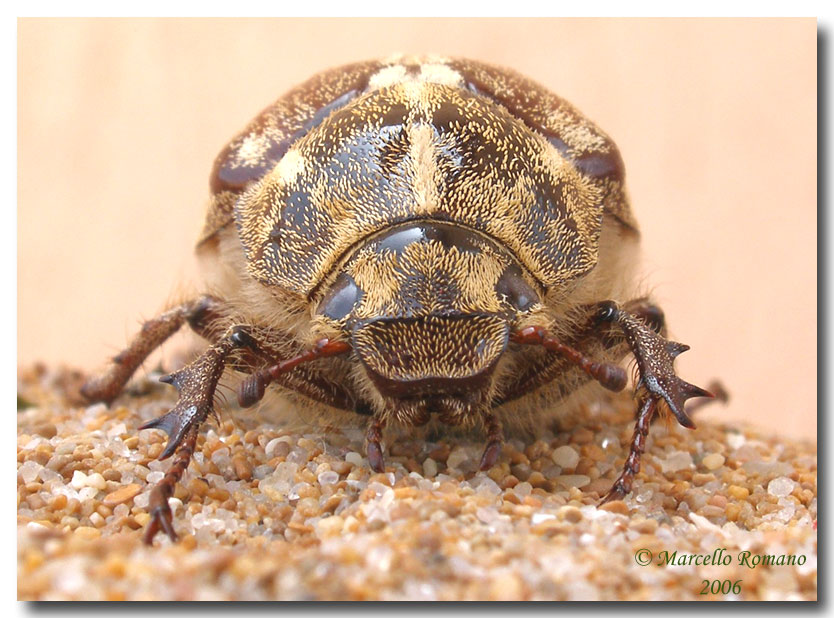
516,290
340,298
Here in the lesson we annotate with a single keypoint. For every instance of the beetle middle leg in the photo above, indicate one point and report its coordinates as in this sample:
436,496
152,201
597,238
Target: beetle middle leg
199,314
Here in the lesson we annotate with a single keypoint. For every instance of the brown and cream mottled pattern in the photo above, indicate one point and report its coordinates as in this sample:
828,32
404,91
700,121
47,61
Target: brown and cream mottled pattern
366,169
434,117
259,147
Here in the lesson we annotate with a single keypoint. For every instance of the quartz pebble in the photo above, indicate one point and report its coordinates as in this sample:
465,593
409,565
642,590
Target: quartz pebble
267,511
713,461
328,478
123,494
354,458
457,457
573,480
678,460
615,506
29,470
737,492
79,479
330,525
538,518
781,486
97,481
565,457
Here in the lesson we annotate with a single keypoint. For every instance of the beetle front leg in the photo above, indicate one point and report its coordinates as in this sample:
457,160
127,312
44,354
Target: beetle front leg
622,486
196,383
158,507
648,312
654,355
654,318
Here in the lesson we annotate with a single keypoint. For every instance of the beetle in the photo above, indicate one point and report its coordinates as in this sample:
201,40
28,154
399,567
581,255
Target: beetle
417,240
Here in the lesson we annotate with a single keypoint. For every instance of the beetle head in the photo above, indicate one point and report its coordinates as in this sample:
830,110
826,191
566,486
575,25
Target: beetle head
428,308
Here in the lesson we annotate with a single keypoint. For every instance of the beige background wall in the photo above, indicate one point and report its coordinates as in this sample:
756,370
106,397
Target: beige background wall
119,121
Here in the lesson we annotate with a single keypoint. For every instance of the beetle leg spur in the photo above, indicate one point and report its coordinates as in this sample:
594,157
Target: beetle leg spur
196,383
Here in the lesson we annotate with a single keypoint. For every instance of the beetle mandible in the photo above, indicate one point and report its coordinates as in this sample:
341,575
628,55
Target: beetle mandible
447,240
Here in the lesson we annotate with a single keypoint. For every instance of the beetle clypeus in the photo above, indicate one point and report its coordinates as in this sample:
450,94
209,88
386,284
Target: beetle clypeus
453,241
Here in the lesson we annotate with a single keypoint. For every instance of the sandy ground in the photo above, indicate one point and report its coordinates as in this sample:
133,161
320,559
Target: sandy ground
721,512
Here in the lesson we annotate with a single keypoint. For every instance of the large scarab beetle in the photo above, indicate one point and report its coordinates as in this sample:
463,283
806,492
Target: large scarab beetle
415,240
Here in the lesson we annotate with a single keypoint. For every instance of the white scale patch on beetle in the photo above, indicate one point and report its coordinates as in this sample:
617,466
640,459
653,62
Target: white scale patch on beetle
412,59
577,132
387,77
435,73
252,150
440,74
424,159
289,168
